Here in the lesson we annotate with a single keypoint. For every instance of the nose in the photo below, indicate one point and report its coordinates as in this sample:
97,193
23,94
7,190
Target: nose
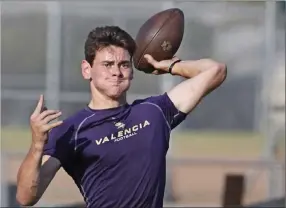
116,71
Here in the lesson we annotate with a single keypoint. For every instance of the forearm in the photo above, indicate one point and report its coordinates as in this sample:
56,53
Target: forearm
28,178
189,69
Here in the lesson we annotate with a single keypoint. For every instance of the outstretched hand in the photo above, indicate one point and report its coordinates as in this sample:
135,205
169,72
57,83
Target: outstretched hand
40,122
160,66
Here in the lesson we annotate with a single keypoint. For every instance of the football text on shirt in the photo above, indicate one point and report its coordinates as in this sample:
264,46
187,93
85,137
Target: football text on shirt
122,134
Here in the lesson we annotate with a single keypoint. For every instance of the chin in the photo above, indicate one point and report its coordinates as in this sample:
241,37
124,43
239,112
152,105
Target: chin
116,95
117,92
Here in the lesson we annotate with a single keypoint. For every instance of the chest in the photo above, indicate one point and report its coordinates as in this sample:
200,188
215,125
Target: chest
143,131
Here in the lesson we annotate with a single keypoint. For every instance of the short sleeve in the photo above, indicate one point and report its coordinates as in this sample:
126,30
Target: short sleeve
59,144
172,115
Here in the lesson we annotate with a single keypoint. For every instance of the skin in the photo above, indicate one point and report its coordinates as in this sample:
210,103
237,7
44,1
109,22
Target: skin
110,77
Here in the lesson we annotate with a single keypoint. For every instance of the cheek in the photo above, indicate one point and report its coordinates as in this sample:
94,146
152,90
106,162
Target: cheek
98,79
128,74
98,75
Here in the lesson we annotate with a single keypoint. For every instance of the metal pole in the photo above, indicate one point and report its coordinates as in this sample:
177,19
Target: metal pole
166,84
270,29
53,55
3,189
168,81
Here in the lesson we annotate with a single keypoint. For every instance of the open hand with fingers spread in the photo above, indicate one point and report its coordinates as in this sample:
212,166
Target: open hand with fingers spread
40,122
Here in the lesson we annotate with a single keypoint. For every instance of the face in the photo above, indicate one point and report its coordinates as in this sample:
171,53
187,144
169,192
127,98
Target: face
111,73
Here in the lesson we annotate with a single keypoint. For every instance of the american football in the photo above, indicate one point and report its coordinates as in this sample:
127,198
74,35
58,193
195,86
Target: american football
160,36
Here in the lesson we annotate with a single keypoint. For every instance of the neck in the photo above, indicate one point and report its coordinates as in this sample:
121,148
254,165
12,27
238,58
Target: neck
101,101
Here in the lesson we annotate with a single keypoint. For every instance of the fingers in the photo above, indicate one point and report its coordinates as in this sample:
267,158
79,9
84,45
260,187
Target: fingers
41,123
158,72
175,58
46,113
50,126
39,105
44,108
51,117
151,60
47,116
41,118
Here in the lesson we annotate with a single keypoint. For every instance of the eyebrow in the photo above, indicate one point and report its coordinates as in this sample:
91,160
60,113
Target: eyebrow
112,62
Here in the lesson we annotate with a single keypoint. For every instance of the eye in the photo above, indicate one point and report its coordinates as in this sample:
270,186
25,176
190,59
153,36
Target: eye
126,65
107,65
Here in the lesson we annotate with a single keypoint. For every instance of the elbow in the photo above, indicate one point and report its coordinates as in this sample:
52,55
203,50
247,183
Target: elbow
221,72
24,200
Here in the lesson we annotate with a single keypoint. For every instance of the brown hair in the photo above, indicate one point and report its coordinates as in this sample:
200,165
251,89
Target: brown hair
102,37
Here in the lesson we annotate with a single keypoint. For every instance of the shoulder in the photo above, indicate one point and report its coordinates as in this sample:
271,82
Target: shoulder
161,100
70,124
151,99
155,104
60,143
162,105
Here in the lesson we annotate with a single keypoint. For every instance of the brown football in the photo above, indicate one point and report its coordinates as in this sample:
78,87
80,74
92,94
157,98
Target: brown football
160,36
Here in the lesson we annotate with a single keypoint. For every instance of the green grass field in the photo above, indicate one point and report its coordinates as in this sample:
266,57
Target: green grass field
192,143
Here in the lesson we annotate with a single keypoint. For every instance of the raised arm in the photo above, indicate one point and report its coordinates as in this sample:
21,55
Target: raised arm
37,171
203,76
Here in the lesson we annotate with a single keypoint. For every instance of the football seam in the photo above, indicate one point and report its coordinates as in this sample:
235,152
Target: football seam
141,55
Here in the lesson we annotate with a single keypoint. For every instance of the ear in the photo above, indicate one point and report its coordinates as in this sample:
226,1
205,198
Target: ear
86,70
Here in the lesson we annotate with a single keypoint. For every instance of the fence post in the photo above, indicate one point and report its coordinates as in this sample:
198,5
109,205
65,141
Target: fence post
233,191
53,55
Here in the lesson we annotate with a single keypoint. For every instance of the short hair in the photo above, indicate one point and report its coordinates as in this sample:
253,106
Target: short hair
102,37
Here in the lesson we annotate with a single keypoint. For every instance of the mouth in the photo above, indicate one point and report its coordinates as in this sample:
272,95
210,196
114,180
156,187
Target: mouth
116,82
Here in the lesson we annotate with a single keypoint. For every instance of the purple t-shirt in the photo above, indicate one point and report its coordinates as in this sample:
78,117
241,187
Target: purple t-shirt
117,157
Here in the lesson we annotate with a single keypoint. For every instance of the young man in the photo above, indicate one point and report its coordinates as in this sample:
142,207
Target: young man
114,151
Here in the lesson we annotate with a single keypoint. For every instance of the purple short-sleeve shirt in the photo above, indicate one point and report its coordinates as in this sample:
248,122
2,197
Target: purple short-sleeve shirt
117,157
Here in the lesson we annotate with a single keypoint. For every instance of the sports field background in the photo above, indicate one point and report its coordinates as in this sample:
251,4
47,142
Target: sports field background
192,184
42,48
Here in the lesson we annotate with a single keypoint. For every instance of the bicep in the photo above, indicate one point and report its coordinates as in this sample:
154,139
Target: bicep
187,95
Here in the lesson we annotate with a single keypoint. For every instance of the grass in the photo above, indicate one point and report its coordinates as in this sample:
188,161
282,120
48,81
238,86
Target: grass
221,144
191,143
15,139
